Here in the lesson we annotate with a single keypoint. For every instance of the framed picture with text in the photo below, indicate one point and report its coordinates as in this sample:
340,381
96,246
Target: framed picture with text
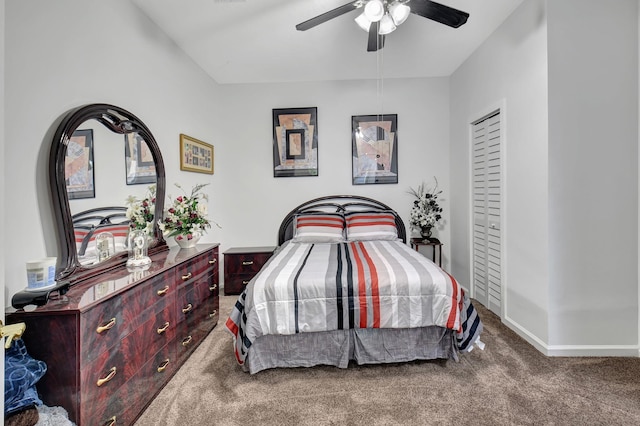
295,142
374,149
195,155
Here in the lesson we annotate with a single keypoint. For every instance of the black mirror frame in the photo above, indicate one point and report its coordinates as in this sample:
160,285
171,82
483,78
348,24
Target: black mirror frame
119,121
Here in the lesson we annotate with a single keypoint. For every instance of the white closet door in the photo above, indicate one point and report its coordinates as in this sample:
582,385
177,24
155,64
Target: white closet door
486,212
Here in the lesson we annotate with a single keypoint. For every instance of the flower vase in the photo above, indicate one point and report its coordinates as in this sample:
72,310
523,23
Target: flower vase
184,242
425,232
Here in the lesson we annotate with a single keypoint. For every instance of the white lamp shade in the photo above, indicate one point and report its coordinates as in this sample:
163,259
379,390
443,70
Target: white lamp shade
374,10
363,22
399,12
386,25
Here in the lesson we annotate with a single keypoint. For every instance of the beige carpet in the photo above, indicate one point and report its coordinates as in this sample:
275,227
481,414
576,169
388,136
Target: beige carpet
509,383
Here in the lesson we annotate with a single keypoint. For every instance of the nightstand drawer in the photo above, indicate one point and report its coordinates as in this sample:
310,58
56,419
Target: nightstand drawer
241,264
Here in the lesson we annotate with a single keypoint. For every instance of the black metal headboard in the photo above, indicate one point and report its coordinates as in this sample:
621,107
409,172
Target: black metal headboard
337,203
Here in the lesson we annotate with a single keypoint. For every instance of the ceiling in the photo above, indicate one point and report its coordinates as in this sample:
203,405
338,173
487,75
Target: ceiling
255,41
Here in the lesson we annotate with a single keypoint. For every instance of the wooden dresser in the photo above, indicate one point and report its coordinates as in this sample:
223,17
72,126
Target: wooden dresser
113,341
241,264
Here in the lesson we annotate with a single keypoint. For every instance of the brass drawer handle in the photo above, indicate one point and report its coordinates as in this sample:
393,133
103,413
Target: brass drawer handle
110,376
187,340
163,291
163,366
107,326
213,287
212,261
186,277
111,421
247,262
164,328
213,314
187,308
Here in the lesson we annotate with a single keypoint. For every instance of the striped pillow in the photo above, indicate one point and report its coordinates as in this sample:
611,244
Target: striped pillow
363,226
319,228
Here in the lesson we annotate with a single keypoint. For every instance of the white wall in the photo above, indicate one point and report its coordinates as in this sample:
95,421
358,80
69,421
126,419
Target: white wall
510,71
567,76
253,202
593,175
75,52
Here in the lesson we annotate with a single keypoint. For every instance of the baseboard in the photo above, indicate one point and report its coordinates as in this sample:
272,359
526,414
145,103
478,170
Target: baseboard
573,350
594,350
525,334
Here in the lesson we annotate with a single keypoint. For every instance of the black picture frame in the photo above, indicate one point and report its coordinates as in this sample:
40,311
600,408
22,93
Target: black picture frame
79,165
374,149
295,142
140,166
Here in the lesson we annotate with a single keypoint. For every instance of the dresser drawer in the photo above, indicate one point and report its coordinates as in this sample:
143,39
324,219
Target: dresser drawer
152,376
196,267
104,325
125,405
196,327
119,363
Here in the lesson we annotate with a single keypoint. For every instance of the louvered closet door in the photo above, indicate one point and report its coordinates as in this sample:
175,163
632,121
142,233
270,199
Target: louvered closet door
486,212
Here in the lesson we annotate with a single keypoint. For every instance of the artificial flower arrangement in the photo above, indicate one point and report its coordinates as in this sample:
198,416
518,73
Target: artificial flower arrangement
141,212
425,212
186,217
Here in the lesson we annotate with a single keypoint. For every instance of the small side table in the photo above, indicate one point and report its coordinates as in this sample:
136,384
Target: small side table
241,264
433,242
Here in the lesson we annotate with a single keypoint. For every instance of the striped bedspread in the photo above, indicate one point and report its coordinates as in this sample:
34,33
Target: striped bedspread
309,287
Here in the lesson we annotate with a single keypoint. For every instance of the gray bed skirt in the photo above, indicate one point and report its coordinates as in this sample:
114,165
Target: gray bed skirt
364,346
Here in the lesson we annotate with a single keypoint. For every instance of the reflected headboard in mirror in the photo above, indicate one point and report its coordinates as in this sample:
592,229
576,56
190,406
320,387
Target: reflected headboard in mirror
111,129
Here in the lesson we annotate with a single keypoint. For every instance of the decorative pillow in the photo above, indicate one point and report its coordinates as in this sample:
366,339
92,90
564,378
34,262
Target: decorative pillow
362,226
319,228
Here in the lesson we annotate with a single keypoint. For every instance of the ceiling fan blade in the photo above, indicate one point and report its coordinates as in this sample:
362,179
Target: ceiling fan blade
345,8
376,41
438,12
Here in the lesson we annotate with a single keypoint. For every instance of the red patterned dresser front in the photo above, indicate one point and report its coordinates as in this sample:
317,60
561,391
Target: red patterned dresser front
113,341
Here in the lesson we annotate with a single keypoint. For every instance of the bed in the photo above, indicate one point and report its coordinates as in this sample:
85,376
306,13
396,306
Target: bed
343,286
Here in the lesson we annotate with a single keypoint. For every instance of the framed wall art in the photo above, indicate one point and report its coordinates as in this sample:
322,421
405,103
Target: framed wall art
78,165
139,163
295,142
374,147
195,155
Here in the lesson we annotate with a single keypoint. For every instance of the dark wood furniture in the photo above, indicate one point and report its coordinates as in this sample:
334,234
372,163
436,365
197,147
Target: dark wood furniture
122,123
337,203
430,241
241,264
114,340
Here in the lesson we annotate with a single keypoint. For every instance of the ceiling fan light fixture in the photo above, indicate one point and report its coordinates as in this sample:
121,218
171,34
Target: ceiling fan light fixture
399,12
387,25
363,22
374,10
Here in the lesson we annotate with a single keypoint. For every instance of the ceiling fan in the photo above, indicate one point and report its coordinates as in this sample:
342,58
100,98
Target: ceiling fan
381,17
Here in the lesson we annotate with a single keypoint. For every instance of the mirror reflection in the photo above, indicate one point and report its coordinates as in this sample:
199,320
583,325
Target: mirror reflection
101,166
102,158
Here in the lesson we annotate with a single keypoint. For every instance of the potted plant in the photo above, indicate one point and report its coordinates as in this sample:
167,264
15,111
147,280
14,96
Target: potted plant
426,211
186,218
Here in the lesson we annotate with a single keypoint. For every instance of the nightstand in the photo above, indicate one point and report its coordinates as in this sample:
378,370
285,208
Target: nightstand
241,264
431,241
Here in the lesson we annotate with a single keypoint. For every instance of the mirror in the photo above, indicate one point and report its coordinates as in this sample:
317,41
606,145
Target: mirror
100,154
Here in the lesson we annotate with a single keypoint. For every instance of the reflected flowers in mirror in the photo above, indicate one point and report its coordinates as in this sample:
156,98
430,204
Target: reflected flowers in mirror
140,212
